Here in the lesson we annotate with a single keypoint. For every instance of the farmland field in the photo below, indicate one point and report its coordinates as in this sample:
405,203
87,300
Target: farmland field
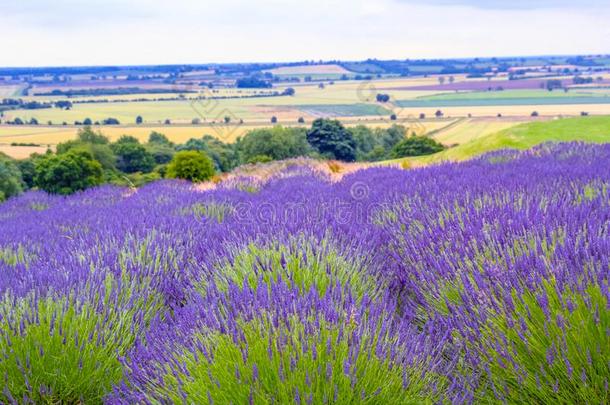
419,286
469,129
523,136
50,136
465,101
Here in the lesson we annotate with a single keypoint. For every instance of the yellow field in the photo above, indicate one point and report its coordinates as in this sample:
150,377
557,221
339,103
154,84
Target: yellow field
465,130
22,152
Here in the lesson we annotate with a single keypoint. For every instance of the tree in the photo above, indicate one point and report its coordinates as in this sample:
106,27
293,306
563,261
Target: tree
87,121
162,153
535,113
441,80
67,173
88,135
191,165
252,83
365,139
159,138
132,156
289,91
301,120
416,146
111,121
451,79
28,170
438,113
391,136
139,119
10,178
274,119
168,122
224,155
383,98
331,138
277,143
393,117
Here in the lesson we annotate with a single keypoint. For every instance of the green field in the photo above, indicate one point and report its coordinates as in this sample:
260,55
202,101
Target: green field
345,110
586,129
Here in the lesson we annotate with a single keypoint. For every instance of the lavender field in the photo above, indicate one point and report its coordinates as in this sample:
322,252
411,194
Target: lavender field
484,282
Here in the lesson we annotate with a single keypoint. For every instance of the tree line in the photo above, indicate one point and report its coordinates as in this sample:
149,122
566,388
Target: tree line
92,159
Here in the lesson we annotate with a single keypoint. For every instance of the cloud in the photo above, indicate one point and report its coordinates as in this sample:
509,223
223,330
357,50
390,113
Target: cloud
517,4
70,32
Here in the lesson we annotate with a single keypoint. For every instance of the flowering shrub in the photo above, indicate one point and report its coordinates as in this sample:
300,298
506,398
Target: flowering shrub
479,282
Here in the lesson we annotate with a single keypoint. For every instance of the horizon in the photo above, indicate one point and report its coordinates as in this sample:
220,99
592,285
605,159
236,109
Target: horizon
67,33
309,61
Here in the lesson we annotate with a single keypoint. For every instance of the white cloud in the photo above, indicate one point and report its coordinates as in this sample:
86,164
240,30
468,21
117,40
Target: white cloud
70,32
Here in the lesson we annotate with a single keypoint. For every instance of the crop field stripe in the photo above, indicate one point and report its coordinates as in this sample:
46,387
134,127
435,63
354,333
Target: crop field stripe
503,102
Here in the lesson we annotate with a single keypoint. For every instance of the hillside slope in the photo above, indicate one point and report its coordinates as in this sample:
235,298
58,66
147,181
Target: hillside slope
523,136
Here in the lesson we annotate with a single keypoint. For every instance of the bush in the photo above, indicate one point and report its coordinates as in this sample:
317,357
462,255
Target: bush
191,165
416,146
67,173
224,155
111,121
260,159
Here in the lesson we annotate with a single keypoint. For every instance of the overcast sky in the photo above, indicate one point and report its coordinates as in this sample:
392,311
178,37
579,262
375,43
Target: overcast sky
96,32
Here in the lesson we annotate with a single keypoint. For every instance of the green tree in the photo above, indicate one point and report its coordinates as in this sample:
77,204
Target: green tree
88,135
159,138
67,173
139,120
223,154
162,153
392,135
132,156
277,143
331,139
191,165
366,140
10,178
416,146
28,170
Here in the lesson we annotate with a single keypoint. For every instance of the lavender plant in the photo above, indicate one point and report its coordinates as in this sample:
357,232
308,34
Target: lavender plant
479,282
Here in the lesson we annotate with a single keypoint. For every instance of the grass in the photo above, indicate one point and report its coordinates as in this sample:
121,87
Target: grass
466,130
586,129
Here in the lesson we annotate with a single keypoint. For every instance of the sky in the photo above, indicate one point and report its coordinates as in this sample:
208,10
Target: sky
129,32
